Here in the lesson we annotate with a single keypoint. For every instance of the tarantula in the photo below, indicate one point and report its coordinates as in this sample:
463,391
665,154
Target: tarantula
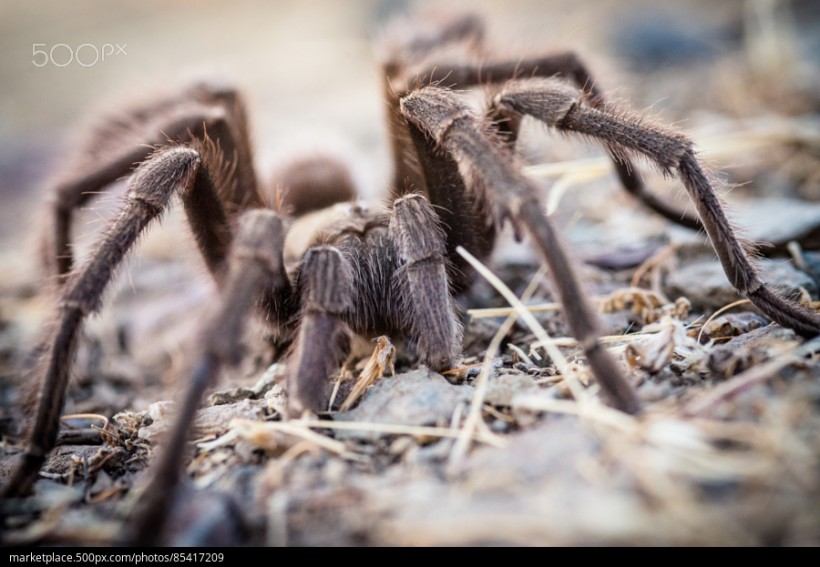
369,271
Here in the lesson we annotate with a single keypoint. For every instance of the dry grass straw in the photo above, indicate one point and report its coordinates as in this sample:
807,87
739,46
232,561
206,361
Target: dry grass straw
474,421
565,369
379,361
304,428
668,453
605,303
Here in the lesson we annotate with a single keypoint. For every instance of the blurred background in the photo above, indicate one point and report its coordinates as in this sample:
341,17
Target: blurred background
309,72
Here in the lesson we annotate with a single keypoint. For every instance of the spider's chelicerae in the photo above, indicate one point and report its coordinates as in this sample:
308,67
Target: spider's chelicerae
368,271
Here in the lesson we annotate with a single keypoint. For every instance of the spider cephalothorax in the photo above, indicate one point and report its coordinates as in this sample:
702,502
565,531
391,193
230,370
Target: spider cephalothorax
368,271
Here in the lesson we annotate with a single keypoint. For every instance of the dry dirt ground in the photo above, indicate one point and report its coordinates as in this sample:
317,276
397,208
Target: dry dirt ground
727,451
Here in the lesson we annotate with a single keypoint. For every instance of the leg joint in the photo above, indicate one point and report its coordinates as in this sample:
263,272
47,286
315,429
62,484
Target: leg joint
415,229
155,180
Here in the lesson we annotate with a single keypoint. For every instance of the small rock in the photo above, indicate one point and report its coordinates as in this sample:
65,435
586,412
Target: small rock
706,286
212,420
734,324
269,380
419,397
750,349
778,221
233,395
503,387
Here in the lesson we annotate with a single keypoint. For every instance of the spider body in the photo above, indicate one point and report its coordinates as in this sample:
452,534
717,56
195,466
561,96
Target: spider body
388,274
317,265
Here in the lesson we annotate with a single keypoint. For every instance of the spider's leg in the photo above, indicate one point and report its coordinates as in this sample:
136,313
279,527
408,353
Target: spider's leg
421,283
565,64
507,123
255,265
151,188
464,213
487,167
327,285
554,104
403,44
176,169
215,117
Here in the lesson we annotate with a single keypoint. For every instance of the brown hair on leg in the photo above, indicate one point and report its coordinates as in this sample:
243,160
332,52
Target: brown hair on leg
422,284
558,106
150,190
327,287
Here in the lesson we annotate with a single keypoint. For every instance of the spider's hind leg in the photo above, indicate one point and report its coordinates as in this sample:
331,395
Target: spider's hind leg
417,72
559,107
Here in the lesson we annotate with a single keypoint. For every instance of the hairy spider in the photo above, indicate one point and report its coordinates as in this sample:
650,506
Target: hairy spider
369,270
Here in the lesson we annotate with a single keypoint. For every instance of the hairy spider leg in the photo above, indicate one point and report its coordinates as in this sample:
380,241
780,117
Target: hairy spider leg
214,117
171,170
407,71
487,168
561,108
327,288
255,266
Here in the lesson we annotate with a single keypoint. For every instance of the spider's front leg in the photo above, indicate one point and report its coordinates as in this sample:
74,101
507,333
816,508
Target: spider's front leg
177,169
443,122
255,271
212,117
561,108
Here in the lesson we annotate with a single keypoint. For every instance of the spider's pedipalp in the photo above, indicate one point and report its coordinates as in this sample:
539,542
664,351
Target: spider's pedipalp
421,282
670,151
485,164
327,292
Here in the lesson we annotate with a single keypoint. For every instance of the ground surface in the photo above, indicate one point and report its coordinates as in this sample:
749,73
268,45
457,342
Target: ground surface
728,451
